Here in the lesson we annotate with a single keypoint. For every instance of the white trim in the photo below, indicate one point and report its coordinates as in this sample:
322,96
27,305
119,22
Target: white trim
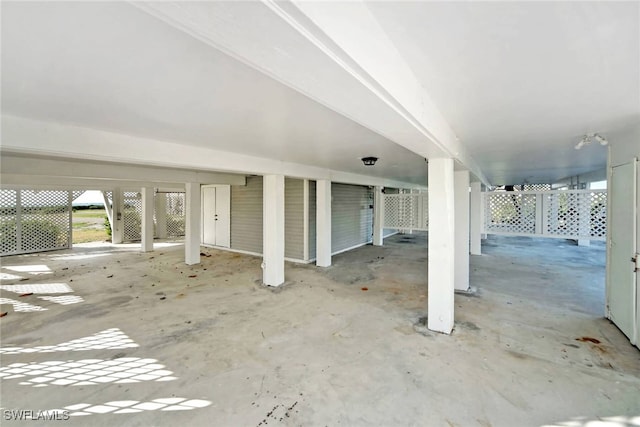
256,254
489,193
406,229
352,247
544,236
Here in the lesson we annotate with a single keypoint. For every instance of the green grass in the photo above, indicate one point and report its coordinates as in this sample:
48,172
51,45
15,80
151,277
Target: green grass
90,235
88,226
90,213
81,224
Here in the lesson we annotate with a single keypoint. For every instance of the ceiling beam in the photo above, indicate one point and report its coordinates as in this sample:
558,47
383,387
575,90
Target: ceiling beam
141,159
44,182
13,164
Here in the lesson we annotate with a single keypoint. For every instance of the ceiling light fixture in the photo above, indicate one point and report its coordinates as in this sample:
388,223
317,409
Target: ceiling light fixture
589,138
369,161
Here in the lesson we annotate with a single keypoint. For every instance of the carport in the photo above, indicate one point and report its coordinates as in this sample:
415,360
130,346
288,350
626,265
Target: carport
143,338
321,128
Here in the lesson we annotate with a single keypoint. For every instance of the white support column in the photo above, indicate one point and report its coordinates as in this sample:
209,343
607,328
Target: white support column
193,220
117,226
483,212
461,189
70,207
539,214
273,230
323,223
378,216
147,219
545,214
305,219
475,219
441,246
161,215
108,208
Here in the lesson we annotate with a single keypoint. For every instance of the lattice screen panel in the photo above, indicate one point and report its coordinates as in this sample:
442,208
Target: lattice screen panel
175,213
580,215
45,220
34,221
510,213
406,211
537,187
8,222
132,216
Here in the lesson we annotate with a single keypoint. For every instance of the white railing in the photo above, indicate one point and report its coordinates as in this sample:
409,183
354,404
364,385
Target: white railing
406,211
572,214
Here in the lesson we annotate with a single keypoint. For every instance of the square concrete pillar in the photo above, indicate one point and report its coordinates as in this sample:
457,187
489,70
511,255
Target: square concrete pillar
475,219
305,219
441,246
193,223
147,219
117,224
461,189
273,230
483,210
378,216
323,223
161,215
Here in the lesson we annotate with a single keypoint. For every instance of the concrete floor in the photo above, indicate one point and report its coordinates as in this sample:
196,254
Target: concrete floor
166,344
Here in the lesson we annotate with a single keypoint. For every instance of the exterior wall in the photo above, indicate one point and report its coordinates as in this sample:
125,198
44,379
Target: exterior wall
294,218
312,220
351,216
246,217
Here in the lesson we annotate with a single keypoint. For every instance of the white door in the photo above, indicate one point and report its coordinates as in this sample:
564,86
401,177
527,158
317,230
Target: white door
216,212
222,218
622,292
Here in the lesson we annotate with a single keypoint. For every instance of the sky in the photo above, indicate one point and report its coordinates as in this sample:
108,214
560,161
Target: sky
90,197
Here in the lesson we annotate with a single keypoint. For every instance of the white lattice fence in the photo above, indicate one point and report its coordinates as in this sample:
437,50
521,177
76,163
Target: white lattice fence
34,221
175,214
573,214
8,222
406,211
132,216
576,214
509,212
537,187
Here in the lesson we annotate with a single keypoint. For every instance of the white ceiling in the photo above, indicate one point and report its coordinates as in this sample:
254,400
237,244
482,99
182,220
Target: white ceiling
521,82
113,67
